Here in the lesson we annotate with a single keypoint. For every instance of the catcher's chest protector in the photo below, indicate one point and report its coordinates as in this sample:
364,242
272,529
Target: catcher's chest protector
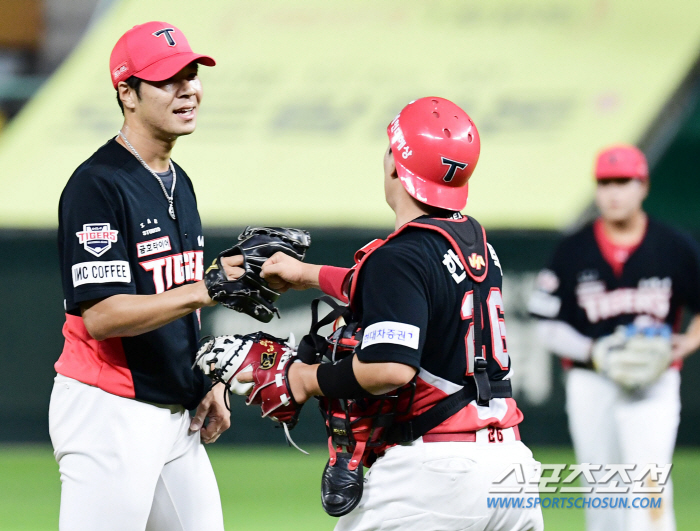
466,236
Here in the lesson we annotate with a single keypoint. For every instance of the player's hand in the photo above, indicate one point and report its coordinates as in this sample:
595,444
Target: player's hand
282,272
299,374
203,294
212,407
233,271
232,266
682,346
245,377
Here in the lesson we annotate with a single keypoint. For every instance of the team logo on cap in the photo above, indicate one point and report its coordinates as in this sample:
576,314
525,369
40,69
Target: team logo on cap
454,166
97,238
168,37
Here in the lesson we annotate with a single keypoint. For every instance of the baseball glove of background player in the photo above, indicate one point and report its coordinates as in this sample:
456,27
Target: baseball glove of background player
249,293
633,357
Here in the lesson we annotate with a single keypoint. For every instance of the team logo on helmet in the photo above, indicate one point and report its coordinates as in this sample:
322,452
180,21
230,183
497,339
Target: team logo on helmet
454,165
168,37
267,357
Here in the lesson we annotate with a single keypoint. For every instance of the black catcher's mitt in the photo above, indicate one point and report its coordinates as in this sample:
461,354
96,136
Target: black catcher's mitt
249,293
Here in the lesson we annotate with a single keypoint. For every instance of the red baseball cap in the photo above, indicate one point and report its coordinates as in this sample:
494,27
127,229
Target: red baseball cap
621,162
154,51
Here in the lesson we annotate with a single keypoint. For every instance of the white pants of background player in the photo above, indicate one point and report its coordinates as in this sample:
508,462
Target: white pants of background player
609,425
128,465
443,486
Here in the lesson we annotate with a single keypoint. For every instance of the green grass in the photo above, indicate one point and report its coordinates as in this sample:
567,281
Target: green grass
263,487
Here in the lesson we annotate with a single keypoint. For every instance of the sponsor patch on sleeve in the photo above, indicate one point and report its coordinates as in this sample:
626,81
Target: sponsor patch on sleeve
159,245
101,272
391,332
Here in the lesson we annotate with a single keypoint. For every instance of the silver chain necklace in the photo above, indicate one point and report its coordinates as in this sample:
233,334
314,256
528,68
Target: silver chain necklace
171,208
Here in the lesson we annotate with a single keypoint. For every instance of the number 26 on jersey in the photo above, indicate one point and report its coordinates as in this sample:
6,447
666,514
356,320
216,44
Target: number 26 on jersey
497,326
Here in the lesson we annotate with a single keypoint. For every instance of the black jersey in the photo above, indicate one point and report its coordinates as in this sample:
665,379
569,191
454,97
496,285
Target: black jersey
660,277
115,237
414,299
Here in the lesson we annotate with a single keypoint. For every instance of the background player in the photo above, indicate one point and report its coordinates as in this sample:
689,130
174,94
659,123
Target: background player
415,283
623,268
131,251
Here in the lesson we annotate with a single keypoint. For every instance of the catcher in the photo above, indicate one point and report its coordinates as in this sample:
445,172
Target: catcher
407,383
607,304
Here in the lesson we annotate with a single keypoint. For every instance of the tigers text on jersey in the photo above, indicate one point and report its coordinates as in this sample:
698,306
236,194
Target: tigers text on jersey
415,302
658,278
115,237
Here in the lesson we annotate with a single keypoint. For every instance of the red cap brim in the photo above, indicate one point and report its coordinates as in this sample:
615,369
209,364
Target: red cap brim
169,66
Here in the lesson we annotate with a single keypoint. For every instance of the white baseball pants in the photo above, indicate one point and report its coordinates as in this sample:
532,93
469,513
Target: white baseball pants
127,465
443,486
609,426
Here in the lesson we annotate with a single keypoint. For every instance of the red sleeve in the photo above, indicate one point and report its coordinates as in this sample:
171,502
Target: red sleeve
333,281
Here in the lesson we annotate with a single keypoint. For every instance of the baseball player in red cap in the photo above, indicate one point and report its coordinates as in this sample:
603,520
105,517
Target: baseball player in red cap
131,251
610,305
426,304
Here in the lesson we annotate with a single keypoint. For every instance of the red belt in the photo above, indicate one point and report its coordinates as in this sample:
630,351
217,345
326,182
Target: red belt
465,436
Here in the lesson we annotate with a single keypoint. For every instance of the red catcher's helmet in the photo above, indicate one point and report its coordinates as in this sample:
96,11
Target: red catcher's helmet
621,162
435,146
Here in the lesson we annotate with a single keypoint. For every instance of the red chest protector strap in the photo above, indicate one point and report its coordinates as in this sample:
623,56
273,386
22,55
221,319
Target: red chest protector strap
468,240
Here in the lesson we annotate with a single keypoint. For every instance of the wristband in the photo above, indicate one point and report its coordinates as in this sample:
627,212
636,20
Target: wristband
337,380
333,281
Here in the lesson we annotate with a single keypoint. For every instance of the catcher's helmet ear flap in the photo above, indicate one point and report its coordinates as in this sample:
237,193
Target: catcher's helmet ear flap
435,147
621,162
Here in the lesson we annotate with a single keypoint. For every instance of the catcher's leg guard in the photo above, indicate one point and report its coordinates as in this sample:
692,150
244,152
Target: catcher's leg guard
342,481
